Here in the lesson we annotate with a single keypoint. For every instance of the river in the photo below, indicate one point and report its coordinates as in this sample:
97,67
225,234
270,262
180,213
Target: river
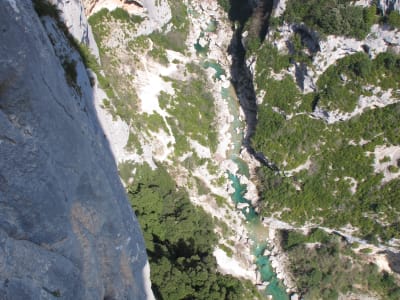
257,232
240,95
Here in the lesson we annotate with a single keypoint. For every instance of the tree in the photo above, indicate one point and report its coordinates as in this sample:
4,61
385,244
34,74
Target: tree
394,19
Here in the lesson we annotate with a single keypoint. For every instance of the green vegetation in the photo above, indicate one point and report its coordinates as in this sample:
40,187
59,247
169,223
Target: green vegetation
334,151
342,84
45,8
283,94
160,55
394,19
316,192
269,59
366,250
175,38
226,249
319,275
102,23
126,170
179,239
338,17
193,109
225,4
99,26
252,44
70,72
299,55
123,15
292,239
114,82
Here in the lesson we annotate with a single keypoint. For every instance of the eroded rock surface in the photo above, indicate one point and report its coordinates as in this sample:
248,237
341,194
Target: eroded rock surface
66,228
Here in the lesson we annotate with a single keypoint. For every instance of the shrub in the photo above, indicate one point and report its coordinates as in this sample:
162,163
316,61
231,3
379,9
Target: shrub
332,16
225,4
123,15
45,8
70,72
394,19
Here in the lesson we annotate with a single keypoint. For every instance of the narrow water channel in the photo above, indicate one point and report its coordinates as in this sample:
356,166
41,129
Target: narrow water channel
241,135
275,287
257,231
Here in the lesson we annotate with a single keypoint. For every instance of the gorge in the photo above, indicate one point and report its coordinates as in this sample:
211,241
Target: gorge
257,143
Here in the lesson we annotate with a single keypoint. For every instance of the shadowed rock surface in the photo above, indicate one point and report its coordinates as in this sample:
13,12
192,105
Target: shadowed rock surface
242,78
66,228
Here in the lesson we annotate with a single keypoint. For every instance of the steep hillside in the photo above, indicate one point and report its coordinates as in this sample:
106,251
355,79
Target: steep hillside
327,85
328,118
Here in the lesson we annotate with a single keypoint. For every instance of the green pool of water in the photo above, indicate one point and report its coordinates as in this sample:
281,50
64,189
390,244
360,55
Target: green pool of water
264,266
212,26
277,290
275,287
216,66
238,197
200,49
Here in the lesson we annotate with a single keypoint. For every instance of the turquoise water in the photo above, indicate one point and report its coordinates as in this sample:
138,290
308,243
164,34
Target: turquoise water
217,67
200,50
275,287
238,197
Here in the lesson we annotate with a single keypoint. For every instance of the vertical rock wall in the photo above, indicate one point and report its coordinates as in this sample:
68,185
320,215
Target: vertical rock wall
66,228
73,14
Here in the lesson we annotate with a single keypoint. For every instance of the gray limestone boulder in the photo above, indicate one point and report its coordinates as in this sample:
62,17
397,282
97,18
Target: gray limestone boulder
67,230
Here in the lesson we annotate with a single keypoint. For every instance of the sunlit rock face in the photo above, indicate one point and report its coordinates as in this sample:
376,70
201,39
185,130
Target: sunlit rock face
74,17
66,227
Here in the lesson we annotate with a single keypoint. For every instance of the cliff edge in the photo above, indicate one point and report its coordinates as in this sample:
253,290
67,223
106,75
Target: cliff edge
66,228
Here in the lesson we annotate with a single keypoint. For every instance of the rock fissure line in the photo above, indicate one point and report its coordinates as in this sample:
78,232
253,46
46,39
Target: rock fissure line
242,81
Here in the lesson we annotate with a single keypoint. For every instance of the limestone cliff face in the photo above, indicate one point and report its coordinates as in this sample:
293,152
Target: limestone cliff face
66,228
73,15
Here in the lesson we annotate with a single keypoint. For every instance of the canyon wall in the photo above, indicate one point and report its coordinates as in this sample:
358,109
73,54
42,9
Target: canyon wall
66,227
